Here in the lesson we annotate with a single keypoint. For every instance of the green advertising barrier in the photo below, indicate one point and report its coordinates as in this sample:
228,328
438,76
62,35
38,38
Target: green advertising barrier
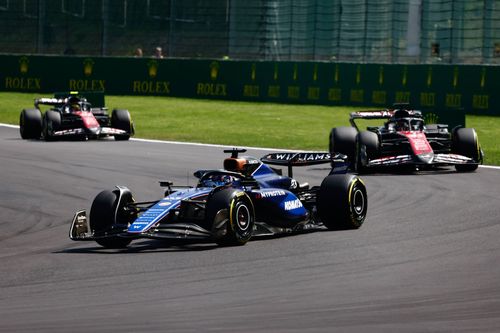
443,92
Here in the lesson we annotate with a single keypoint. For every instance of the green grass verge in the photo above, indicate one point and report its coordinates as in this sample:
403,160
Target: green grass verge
241,123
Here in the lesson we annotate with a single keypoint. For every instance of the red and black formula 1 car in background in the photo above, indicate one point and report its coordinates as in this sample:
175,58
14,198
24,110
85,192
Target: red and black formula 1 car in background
72,116
405,141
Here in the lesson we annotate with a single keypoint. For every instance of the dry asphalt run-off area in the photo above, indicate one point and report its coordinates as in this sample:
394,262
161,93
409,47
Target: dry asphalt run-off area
426,259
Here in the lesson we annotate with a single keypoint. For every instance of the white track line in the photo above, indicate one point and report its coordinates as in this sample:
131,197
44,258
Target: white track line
224,146
490,167
210,145
8,125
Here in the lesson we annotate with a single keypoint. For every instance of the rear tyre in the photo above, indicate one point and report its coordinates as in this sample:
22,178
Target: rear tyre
231,216
30,124
367,148
102,219
121,119
343,140
465,142
342,202
51,124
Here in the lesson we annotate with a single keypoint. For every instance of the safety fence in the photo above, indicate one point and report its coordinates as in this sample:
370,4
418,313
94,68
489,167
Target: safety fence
382,31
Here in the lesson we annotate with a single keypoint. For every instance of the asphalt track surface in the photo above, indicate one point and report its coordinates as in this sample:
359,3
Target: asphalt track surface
426,259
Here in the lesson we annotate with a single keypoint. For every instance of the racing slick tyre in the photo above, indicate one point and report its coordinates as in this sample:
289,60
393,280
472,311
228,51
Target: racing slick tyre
121,119
343,140
51,123
342,202
103,220
465,143
367,148
232,217
30,124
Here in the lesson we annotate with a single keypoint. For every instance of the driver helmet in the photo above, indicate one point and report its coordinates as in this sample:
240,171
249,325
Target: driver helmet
217,180
72,104
78,104
75,107
402,125
417,124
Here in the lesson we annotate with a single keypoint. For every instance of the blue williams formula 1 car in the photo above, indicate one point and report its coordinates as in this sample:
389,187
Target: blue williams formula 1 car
228,206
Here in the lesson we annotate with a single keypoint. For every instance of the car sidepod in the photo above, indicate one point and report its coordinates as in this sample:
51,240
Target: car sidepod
278,207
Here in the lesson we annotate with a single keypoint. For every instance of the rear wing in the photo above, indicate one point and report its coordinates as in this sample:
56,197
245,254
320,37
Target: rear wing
379,114
49,101
338,161
95,98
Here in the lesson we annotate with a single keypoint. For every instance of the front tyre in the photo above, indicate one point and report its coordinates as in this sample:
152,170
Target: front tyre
465,142
120,119
342,202
51,124
103,215
367,148
30,124
231,216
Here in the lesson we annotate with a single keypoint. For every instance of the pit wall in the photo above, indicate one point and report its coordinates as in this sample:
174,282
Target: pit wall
444,92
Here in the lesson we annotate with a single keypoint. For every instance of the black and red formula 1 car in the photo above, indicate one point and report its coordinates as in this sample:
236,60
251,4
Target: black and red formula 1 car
405,141
72,116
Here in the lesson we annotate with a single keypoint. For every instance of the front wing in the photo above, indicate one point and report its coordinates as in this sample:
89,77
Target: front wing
80,230
436,160
80,131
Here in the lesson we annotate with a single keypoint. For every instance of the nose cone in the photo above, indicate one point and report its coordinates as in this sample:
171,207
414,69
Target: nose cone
425,158
95,130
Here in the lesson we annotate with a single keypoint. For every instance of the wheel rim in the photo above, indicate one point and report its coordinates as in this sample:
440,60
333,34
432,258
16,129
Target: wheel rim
242,217
358,201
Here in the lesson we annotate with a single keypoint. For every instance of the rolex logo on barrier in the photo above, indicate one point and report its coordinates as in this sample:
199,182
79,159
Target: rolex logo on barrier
152,86
252,90
431,118
212,88
78,84
24,65
153,68
214,70
23,83
88,66
429,76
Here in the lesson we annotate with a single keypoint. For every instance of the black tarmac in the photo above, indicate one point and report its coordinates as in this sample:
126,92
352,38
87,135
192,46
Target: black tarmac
426,259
